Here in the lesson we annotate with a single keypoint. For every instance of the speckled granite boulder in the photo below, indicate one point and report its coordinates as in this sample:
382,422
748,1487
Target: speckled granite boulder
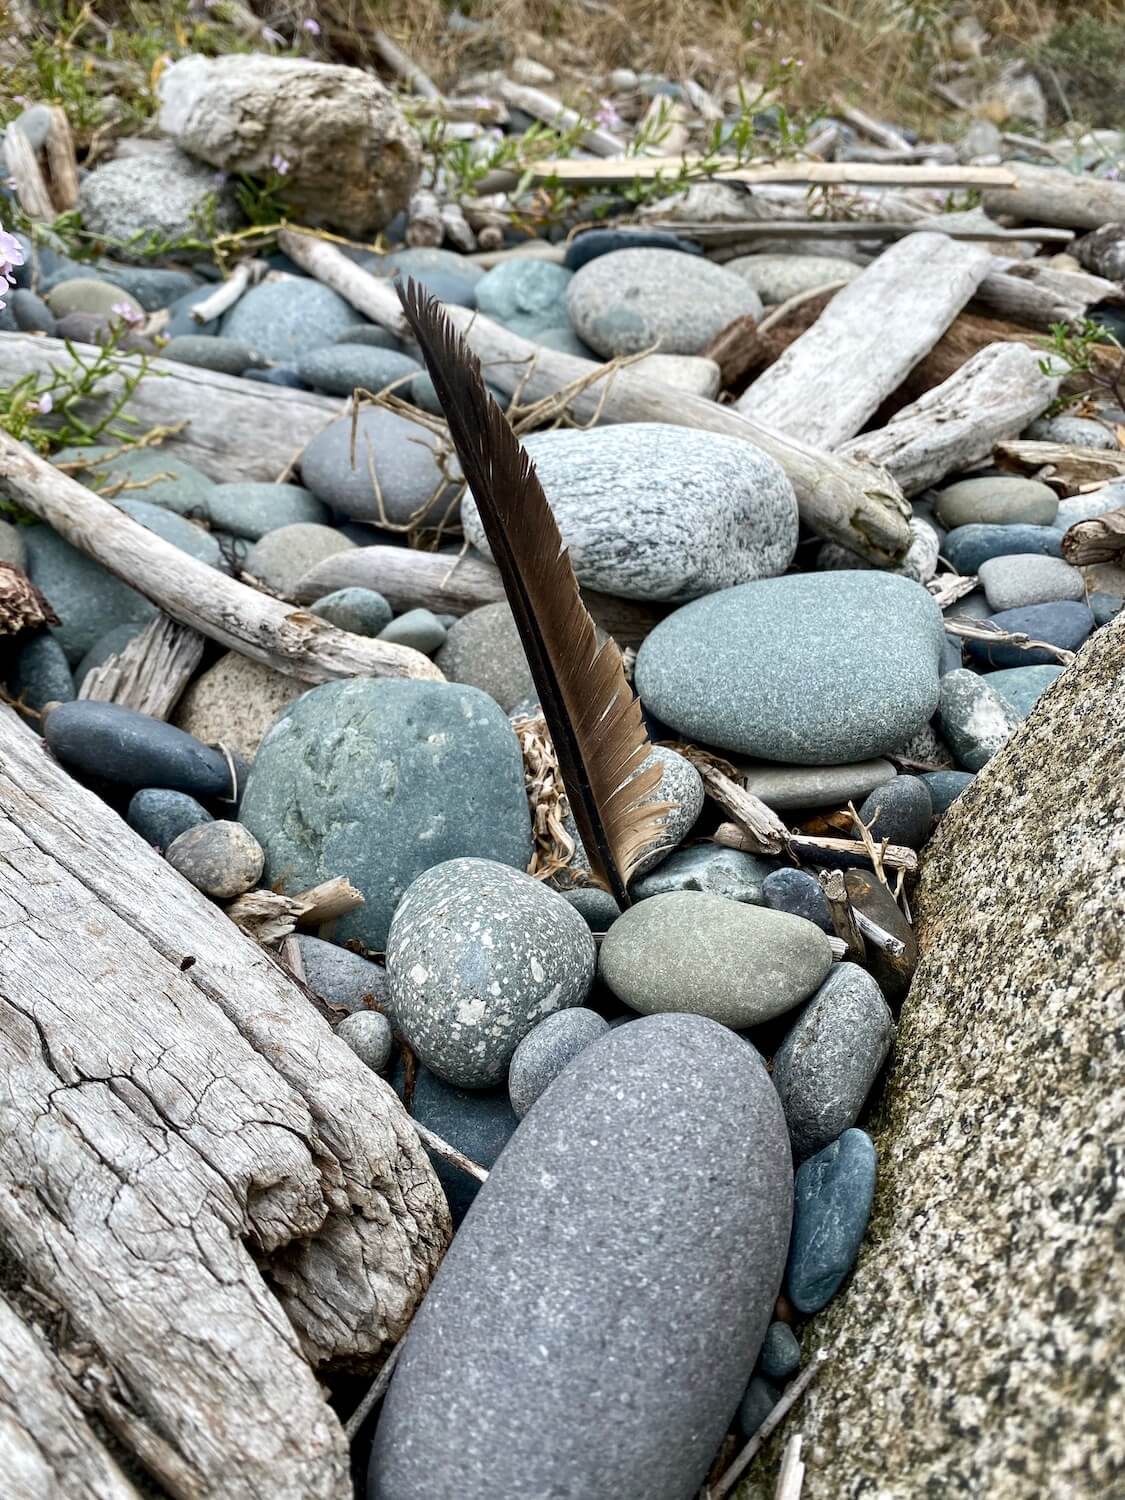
236,701
974,1351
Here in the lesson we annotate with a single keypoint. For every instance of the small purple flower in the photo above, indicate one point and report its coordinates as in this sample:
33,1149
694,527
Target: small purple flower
607,116
130,315
45,403
272,38
1113,174
311,26
220,180
11,255
279,164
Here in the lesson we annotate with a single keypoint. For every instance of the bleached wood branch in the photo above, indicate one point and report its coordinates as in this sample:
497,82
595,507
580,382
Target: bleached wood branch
290,640
793,1394
830,380
1073,467
403,67
23,167
541,106
630,169
62,163
151,672
1051,195
808,846
245,275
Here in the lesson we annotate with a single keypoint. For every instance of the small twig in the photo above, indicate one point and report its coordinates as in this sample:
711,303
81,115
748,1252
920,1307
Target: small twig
874,851
843,915
972,630
895,856
374,1395
244,276
878,936
773,1421
449,1153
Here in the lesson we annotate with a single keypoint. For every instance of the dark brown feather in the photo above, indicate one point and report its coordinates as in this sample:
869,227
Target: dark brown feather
594,719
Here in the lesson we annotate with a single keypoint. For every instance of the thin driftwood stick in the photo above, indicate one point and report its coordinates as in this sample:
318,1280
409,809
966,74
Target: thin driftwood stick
994,395
240,618
151,672
23,167
855,504
808,846
629,169
62,164
877,936
731,240
980,630
379,1387
759,822
449,1153
843,917
541,106
1050,195
402,67
832,379
245,275
791,1480
792,1395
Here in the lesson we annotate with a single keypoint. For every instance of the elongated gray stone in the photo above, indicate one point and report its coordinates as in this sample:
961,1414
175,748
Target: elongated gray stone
596,1320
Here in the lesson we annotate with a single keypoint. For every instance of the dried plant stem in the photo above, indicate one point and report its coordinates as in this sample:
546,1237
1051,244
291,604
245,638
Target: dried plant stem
376,1393
843,916
808,846
970,630
449,1153
769,1426
878,936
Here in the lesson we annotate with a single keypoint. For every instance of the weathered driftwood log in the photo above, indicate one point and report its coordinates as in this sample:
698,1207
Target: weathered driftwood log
1069,467
453,585
991,397
1039,296
726,241
1051,195
210,1186
850,503
829,382
290,640
403,67
965,337
151,672
629,169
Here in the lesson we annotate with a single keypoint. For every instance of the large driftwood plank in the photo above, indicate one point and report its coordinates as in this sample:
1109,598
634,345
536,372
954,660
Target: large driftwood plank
259,626
630,168
48,1451
854,504
237,429
992,396
210,1185
1050,195
830,381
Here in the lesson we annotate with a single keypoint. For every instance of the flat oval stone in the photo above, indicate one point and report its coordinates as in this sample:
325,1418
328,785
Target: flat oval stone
778,277
222,859
249,509
545,1052
340,369
483,648
341,977
652,511
282,557
118,744
1025,578
1066,624
735,963
780,1358
477,953
160,815
361,611
161,478
1023,687
830,1058
730,873
446,275
900,812
379,780
594,242
417,628
814,668
212,352
625,302
402,453
86,294
831,1206
760,1399
284,319
31,313
996,500
784,787
800,894
966,547
503,1387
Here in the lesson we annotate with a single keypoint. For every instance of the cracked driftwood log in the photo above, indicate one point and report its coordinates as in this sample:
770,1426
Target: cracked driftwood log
854,504
212,1188
266,629
1050,195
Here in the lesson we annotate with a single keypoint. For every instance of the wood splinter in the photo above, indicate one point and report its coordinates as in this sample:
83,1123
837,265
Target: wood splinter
843,914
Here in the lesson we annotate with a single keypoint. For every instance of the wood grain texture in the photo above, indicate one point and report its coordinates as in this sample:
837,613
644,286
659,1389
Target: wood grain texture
1050,195
829,382
210,1185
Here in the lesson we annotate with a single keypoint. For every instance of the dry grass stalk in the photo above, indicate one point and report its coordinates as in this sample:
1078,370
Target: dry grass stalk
874,851
792,1395
553,847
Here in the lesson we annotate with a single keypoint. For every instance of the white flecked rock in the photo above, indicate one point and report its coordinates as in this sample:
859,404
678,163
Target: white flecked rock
776,278
1026,578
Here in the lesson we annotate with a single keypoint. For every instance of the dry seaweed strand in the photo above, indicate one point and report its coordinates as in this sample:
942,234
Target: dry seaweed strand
553,848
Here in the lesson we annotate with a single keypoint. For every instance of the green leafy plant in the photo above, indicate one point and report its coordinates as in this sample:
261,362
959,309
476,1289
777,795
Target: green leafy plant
1088,349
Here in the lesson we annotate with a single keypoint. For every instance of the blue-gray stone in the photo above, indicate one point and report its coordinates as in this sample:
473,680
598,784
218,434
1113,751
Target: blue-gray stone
1016,581
250,509
976,721
279,375
173,528
1077,508
629,300
706,867
780,1358
34,122
483,649
111,644
830,1058
342,368
477,1122
477,953
402,453
545,1052
151,475
380,780
653,511
594,242
945,787
417,628
163,196
1104,606
446,275
362,611
952,656
87,599
1078,432
689,951
596,907
12,549
284,319
566,341
1022,687
900,812
371,335
31,313
966,547
341,977
153,287
282,557
39,673
527,296
760,1399
369,1036
996,500
501,1390
813,669
120,745
181,321
160,815
212,352
831,1206
800,894
1065,624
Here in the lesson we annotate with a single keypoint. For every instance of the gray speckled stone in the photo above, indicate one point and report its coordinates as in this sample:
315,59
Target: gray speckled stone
87,599
164,194
417,628
341,977
361,611
502,1388
118,744
800,894
778,277
976,720
629,300
212,352
900,812
545,1052
284,319
825,1068
379,780
341,368
160,815
784,787
1079,432
477,953
282,557
707,867
235,700
172,528
222,859
996,500
814,668
760,1399
484,650
780,1358
652,511
736,963
402,452
162,477
527,296
12,548
597,908
39,673
1023,687
249,509
368,1034
1015,581
1085,507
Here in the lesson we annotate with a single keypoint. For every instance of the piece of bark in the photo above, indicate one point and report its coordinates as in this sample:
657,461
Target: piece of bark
1051,195
62,164
22,166
210,1186
22,605
736,349
830,381
541,106
291,640
408,579
1100,540
759,822
842,173
1068,468
991,397
151,672
846,502
47,1447
268,916
843,917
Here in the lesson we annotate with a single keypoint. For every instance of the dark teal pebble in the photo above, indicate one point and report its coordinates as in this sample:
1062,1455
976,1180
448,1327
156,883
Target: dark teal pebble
760,1399
160,815
799,894
40,674
966,547
132,749
832,1201
945,787
899,811
595,242
780,1358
